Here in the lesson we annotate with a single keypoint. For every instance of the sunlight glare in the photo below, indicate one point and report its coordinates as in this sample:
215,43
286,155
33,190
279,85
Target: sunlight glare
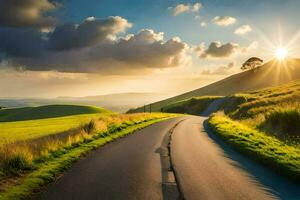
281,53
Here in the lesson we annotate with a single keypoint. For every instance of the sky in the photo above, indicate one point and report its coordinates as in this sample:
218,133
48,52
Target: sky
51,48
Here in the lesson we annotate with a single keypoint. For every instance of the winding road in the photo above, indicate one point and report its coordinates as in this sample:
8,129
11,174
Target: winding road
172,159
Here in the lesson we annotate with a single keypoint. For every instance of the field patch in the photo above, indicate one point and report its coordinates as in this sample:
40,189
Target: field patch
32,129
49,111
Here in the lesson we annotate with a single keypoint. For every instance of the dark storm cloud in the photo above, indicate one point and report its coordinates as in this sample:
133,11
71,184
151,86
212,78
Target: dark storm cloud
90,32
21,42
92,46
26,13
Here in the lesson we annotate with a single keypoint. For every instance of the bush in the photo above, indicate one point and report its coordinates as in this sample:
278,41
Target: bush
283,121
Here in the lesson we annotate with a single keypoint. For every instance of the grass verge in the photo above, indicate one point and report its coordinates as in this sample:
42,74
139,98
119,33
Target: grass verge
272,152
58,161
32,129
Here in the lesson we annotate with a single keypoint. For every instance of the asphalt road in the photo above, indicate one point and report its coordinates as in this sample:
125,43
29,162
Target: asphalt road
202,169
136,167
129,168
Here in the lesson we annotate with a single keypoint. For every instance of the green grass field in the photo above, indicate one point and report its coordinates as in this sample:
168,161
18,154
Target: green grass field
31,129
43,112
44,120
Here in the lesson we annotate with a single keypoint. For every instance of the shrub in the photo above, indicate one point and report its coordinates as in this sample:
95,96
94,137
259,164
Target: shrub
283,121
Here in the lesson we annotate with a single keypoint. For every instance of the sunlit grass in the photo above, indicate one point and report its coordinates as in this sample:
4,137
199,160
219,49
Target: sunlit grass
42,158
275,153
273,109
31,129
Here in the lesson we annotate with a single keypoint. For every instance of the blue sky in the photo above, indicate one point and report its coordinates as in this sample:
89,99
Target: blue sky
66,61
266,15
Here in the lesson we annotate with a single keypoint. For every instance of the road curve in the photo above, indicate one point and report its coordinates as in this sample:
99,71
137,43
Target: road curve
129,168
202,169
135,167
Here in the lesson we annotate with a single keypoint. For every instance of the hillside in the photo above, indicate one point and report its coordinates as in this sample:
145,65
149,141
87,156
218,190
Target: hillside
262,124
194,105
273,109
43,112
118,102
272,73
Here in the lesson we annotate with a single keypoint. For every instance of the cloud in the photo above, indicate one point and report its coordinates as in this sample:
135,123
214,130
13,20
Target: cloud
90,32
197,17
217,49
223,20
92,46
26,13
203,24
252,46
196,7
181,8
242,30
221,70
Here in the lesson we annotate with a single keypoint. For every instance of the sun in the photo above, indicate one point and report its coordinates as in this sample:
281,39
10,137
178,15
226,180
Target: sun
281,53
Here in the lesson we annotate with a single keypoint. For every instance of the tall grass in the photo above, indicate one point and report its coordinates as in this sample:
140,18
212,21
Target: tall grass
276,154
274,110
284,122
18,157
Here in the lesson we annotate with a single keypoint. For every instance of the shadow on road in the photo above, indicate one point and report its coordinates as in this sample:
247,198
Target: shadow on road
280,186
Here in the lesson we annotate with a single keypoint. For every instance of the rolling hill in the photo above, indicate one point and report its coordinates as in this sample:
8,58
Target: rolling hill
272,73
43,112
118,102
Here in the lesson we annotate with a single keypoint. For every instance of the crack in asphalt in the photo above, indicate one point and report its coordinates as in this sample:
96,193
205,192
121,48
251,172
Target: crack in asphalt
170,185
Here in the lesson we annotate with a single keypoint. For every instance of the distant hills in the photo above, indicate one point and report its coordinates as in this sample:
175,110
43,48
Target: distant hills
272,73
119,102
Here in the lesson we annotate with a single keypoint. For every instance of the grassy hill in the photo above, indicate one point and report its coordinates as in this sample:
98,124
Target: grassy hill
263,124
272,73
32,129
194,105
118,102
274,109
34,122
43,112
